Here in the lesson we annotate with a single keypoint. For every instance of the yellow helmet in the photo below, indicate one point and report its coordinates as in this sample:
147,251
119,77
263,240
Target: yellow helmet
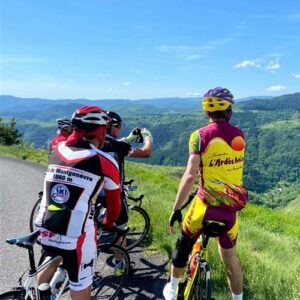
217,99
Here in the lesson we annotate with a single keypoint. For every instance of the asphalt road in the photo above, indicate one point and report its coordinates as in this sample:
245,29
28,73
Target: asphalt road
20,182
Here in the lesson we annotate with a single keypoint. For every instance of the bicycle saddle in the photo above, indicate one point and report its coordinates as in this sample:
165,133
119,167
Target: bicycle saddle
25,241
213,228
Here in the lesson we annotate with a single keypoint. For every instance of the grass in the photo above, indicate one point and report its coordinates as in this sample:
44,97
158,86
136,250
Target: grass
268,243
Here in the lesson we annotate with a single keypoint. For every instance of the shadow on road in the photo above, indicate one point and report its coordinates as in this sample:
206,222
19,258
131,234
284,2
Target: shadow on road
147,278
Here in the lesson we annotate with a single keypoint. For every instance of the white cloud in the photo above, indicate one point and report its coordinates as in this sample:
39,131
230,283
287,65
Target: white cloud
273,65
195,94
183,49
55,85
297,76
126,83
242,25
20,59
275,88
193,57
246,64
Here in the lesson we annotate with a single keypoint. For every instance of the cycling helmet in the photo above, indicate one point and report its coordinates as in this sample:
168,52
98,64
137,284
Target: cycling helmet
217,99
115,118
89,117
63,123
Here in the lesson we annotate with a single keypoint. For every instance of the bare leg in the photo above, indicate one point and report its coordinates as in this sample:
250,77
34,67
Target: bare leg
47,274
84,294
234,271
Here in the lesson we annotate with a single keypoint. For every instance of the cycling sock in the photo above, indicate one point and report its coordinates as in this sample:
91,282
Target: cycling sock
174,282
237,297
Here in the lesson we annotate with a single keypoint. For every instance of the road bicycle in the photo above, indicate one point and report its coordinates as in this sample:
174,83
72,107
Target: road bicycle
106,283
138,218
197,281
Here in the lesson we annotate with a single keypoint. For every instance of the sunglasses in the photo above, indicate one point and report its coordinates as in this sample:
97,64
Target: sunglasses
117,125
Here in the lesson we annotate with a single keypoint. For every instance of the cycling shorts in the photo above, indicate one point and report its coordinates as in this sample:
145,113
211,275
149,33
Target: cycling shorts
199,212
79,262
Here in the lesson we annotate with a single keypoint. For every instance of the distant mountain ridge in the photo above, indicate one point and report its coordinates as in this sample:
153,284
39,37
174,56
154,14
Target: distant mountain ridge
10,103
271,126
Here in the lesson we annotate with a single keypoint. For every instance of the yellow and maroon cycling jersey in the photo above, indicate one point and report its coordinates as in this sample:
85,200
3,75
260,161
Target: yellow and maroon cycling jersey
221,147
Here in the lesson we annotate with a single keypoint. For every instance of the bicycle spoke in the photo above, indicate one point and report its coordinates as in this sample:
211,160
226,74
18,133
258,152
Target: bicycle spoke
109,279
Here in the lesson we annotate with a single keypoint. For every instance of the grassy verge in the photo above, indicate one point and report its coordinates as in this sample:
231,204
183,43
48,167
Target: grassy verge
268,244
25,152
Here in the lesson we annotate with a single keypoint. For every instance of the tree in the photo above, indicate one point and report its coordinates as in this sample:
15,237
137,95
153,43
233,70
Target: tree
9,134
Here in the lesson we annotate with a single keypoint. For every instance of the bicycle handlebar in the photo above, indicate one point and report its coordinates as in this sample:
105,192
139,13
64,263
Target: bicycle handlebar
129,182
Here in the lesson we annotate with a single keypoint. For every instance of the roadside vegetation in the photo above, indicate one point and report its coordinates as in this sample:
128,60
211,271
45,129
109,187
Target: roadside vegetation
268,244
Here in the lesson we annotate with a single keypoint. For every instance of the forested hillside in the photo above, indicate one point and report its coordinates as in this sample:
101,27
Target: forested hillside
271,127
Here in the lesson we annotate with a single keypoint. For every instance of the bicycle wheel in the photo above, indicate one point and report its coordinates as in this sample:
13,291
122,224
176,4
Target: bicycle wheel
33,215
139,224
111,272
203,282
13,294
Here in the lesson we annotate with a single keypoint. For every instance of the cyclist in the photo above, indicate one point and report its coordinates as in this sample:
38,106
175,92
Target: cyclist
121,148
64,129
77,171
217,153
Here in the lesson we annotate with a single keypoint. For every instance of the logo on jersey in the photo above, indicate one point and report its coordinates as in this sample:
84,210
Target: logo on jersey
60,193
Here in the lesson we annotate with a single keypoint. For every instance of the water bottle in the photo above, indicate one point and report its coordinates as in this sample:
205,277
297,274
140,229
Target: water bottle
45,291
101,215
196,247
194,257
57,280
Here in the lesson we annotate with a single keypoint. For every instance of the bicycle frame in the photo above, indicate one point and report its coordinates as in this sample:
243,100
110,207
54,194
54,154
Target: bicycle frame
31,283
211,229
200,256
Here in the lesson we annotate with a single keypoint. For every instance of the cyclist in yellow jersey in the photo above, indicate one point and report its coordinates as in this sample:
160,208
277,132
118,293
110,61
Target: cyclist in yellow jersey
217,155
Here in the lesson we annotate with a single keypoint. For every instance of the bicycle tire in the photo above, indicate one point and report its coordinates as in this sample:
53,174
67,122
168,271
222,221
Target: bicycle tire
106,284
33,215
203,283
139,225
12,295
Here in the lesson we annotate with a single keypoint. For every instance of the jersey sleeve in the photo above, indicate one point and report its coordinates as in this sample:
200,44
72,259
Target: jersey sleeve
195,143
110,171
123,148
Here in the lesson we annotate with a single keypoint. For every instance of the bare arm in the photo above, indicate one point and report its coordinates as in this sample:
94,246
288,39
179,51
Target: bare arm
186,183
145,151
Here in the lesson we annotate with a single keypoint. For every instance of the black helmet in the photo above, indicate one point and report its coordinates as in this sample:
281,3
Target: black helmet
115,118
63,123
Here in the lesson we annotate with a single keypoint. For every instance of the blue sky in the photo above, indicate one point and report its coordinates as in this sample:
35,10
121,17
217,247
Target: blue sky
107,49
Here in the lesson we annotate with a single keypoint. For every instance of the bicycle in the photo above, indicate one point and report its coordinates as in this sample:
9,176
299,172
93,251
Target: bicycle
138,218
197,282
106,284
138,223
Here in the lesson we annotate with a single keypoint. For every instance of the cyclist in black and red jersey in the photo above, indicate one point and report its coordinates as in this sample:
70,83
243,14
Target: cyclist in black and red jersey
64,129
77,171
120,148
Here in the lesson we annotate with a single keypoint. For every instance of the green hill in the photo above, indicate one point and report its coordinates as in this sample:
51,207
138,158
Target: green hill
271,127
268,244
